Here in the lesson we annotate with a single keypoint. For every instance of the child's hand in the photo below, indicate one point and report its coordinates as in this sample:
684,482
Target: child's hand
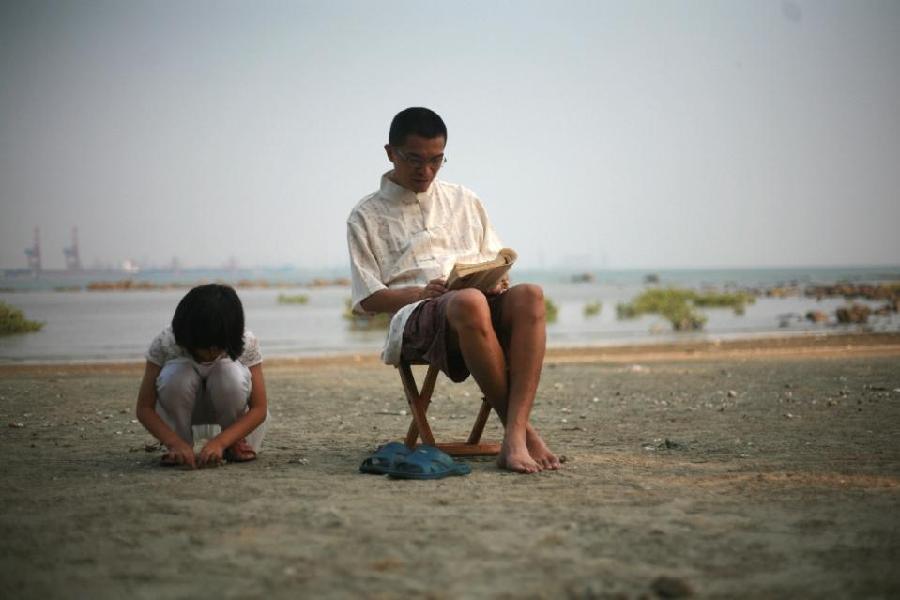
181,453
211,454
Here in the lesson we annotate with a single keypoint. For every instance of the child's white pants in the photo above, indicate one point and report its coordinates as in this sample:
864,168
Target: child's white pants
190,393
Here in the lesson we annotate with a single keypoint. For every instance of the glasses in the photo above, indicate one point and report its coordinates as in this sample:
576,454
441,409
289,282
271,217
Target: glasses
416,162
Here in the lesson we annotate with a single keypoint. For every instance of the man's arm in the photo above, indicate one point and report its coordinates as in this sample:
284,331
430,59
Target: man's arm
392,300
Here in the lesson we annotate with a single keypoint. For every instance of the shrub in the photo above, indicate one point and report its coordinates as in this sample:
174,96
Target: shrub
12,320
676,305
365,322
551,311
592,309
736,301
293,299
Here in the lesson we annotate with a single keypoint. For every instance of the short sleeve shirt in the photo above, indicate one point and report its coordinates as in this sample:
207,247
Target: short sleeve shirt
163,349
400,238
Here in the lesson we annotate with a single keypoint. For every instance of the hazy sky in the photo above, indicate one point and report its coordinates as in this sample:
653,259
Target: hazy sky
618,134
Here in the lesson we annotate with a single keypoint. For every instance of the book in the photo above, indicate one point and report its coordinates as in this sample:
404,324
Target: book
484,275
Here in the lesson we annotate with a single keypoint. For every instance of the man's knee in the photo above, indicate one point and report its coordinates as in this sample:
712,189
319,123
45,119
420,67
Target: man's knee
468,309
526,301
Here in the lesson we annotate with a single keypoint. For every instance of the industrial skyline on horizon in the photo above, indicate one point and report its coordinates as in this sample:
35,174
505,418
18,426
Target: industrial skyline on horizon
33,261
609,135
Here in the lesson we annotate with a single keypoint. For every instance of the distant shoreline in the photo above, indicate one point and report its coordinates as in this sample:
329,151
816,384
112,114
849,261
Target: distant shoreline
804,346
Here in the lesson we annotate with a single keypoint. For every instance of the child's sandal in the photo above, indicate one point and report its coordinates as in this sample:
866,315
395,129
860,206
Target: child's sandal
240,451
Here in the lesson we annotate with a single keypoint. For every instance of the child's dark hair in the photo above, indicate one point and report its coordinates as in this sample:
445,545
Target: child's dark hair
416,120
210,315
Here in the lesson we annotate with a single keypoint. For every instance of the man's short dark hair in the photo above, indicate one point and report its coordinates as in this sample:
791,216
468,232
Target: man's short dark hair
419,121
210,315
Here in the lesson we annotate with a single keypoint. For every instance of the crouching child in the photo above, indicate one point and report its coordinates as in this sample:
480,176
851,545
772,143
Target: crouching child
205,369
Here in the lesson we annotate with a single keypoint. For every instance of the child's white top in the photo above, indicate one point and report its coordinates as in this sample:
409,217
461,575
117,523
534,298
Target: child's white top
163,349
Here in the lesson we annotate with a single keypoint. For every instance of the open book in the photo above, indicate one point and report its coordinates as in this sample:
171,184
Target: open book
484,275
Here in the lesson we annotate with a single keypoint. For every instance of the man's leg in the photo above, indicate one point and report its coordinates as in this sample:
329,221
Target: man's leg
469,317
524,331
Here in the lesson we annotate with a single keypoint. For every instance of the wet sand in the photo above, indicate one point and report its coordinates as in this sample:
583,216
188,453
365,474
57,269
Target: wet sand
747,469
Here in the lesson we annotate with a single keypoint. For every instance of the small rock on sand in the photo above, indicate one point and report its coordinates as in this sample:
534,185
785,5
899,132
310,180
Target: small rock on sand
671,587
668,444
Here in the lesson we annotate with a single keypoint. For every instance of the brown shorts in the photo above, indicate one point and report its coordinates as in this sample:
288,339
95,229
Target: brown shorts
427,336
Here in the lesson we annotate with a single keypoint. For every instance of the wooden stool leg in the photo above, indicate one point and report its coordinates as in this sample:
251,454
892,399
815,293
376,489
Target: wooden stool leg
478,427
418,404
419,427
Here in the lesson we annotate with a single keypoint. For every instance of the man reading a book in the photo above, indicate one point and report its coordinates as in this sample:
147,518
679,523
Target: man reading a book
404,240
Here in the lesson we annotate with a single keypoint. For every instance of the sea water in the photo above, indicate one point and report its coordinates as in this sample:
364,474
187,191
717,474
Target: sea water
119,325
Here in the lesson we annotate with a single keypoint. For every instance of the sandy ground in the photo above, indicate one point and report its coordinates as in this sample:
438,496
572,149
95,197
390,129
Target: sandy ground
744,470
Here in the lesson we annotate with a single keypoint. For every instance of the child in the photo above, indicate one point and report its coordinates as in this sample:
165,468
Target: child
205,369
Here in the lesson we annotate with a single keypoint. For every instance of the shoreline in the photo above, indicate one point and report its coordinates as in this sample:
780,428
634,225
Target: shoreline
800,346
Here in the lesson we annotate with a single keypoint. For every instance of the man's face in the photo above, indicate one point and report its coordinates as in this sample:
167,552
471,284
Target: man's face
416,162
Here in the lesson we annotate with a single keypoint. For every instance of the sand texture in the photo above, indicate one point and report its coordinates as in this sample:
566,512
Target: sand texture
737,474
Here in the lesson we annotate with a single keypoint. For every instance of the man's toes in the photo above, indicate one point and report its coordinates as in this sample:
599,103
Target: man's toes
519,465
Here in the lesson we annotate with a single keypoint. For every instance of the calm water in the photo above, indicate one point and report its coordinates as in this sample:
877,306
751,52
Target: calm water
102,326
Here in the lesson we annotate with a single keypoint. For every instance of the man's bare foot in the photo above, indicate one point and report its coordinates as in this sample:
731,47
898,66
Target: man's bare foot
517,460
539,451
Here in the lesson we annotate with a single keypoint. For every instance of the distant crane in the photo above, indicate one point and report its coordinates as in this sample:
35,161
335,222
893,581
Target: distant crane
73,258
34,253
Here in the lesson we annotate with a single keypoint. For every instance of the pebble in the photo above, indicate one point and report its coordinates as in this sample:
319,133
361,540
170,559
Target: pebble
17,425
732,394
671,587
595,399
788,415
668,444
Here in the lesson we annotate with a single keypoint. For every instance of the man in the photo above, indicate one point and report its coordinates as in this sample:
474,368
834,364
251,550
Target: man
404,239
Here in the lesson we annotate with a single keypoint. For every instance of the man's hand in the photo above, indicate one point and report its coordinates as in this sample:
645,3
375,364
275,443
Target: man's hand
211,454
435,288
181,453
498,289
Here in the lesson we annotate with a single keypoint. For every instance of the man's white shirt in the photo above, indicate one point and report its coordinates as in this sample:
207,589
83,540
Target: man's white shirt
399,238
